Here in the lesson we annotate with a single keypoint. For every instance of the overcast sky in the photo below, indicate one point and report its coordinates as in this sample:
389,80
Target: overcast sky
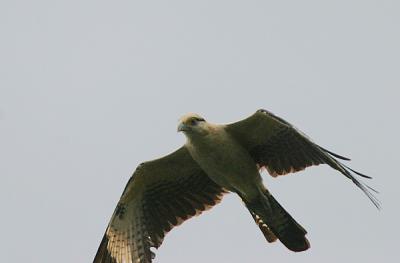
89,89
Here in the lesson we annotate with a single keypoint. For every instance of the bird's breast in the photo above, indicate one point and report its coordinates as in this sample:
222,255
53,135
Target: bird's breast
225,161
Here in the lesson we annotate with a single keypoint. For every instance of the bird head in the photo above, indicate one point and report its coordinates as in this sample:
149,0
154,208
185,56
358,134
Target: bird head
192,124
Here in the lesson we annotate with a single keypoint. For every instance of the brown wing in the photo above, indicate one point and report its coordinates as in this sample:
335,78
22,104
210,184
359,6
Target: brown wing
279,147
160,195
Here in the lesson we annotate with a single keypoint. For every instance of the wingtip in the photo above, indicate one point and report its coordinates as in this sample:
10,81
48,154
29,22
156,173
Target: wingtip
335,154
347,171
365,188
358,173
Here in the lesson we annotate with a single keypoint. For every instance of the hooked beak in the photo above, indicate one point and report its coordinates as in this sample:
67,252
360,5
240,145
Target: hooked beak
182,127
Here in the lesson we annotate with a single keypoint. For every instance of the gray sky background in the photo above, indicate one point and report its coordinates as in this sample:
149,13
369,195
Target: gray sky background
89,89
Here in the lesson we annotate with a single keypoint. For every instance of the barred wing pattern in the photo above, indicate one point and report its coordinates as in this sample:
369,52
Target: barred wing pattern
278,146
160,195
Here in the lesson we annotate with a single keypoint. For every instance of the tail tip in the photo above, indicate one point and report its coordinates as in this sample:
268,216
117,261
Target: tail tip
298,245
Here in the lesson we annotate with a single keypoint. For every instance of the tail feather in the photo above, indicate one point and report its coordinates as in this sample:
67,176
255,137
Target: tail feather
268,234
285,228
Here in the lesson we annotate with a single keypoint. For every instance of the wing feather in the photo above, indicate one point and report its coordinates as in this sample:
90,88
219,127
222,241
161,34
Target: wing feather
160,195
278,146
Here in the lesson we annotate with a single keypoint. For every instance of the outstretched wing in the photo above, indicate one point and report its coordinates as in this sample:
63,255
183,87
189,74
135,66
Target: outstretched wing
278,146
160,195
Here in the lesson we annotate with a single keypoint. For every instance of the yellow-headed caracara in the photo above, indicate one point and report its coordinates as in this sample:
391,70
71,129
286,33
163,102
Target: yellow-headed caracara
215,160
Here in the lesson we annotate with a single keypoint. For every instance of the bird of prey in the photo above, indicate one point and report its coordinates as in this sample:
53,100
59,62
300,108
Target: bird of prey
216,159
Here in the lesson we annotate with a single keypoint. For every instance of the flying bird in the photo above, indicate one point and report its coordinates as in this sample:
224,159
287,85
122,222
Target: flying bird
215,160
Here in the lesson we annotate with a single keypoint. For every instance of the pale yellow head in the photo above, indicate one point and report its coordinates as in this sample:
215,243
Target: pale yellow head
191,123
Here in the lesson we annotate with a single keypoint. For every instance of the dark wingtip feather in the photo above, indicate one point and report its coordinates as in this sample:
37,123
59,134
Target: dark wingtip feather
371,197
335,154
364,187
372,189
358,173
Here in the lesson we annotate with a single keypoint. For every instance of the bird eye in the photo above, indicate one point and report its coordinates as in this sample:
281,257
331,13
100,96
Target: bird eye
194,121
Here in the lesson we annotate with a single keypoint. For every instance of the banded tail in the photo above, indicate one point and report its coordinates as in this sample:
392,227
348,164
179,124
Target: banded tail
273,216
